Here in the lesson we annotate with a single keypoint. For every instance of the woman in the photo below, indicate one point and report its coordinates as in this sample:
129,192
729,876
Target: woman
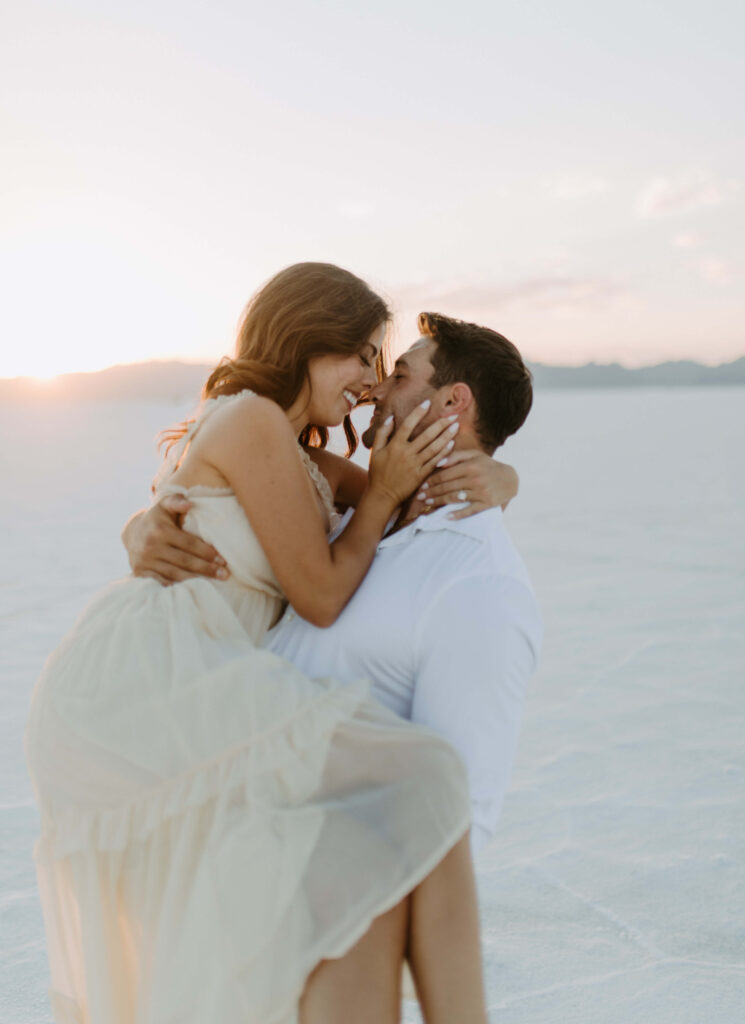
221,836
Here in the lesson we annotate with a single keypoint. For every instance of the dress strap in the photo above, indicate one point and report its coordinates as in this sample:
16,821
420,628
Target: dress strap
176,452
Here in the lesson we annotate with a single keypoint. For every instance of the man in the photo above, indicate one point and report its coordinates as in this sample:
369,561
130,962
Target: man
445,623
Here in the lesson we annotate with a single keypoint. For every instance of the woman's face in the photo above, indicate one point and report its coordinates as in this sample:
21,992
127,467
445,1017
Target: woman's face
337,382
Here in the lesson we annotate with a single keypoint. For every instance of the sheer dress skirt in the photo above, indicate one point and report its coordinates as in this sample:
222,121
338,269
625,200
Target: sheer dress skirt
214,822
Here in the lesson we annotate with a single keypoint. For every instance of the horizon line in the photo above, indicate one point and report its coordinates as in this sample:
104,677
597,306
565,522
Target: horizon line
210,365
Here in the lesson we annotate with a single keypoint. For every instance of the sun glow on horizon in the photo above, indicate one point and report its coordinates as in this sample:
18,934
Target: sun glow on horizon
597,224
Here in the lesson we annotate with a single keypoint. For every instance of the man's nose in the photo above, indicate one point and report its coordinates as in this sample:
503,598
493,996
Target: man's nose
377,390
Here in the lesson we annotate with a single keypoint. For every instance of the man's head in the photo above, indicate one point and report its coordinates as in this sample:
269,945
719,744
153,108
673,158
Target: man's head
462,368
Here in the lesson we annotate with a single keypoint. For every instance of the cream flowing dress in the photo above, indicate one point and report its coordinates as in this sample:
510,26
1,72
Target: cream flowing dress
213,822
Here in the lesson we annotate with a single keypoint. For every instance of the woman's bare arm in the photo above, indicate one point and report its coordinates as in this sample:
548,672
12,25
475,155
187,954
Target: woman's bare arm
487,483
252,446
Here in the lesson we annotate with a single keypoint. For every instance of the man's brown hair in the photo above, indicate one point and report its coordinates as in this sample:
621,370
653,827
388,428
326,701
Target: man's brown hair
490,365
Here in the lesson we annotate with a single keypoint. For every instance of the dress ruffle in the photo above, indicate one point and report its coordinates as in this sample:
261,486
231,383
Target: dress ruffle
286,757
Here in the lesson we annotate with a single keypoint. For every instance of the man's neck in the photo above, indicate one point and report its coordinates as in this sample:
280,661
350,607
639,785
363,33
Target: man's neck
408,513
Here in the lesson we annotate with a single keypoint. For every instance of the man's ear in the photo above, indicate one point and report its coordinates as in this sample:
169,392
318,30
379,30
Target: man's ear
459,399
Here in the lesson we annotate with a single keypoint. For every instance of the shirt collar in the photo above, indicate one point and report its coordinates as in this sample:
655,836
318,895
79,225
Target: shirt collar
478,527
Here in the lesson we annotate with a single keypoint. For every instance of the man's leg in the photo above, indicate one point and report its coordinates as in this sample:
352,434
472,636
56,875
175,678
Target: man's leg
437,928
444,948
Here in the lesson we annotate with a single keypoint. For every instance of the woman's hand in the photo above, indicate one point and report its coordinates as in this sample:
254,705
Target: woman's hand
471,476
157,546
399,464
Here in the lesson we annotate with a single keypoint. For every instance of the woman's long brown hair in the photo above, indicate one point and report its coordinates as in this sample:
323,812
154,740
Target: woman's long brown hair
304,311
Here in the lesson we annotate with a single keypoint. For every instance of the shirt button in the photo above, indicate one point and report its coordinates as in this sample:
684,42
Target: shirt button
290,615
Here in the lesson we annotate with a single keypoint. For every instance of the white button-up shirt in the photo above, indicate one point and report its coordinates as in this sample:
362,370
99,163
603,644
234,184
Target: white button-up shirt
447,627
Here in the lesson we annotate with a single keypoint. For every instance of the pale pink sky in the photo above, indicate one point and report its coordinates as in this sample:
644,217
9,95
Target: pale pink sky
572,175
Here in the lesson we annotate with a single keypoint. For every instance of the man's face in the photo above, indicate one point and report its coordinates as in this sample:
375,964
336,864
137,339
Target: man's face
407,386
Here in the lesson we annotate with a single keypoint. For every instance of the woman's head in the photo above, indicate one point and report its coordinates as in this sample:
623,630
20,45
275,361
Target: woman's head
303,319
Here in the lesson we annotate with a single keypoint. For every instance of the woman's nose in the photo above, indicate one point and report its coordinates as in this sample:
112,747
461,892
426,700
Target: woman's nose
369,377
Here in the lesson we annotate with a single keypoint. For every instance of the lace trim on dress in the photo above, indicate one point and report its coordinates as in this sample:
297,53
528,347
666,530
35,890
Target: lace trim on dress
322,486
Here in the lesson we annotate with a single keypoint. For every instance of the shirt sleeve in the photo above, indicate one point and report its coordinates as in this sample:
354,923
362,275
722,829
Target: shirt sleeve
477,646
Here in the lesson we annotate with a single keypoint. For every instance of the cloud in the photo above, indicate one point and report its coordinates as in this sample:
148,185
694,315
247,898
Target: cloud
687,240
560,296
662,197
577,186
716,271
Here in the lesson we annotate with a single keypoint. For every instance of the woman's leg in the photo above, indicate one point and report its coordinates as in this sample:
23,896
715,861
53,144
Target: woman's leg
364,985
444,948
437,928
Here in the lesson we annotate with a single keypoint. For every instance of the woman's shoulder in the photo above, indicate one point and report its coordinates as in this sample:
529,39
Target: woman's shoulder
244,430
247,410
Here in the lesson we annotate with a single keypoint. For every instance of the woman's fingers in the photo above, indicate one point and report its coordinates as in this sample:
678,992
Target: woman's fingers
382,435
441,446
475,477
445,428
465,455
469,510
447,492
416,415
400,462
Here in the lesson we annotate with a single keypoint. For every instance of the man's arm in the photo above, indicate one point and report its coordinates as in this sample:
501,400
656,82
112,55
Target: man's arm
158,547
478,645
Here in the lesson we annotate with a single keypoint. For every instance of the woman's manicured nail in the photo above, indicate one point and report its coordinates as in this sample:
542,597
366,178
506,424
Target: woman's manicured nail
389,420
429,501
219,560
425,404
222,574
453,417
425,486
421,496
454,428
449,446
441,463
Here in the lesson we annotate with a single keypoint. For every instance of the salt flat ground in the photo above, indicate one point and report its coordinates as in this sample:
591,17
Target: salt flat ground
615,890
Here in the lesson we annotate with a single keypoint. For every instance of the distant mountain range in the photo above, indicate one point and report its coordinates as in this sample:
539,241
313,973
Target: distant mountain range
177,382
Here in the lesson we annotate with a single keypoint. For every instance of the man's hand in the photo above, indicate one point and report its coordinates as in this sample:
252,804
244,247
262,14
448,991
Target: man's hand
474,477
159,548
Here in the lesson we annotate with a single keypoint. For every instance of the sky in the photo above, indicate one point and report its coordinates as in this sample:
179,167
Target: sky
571,174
